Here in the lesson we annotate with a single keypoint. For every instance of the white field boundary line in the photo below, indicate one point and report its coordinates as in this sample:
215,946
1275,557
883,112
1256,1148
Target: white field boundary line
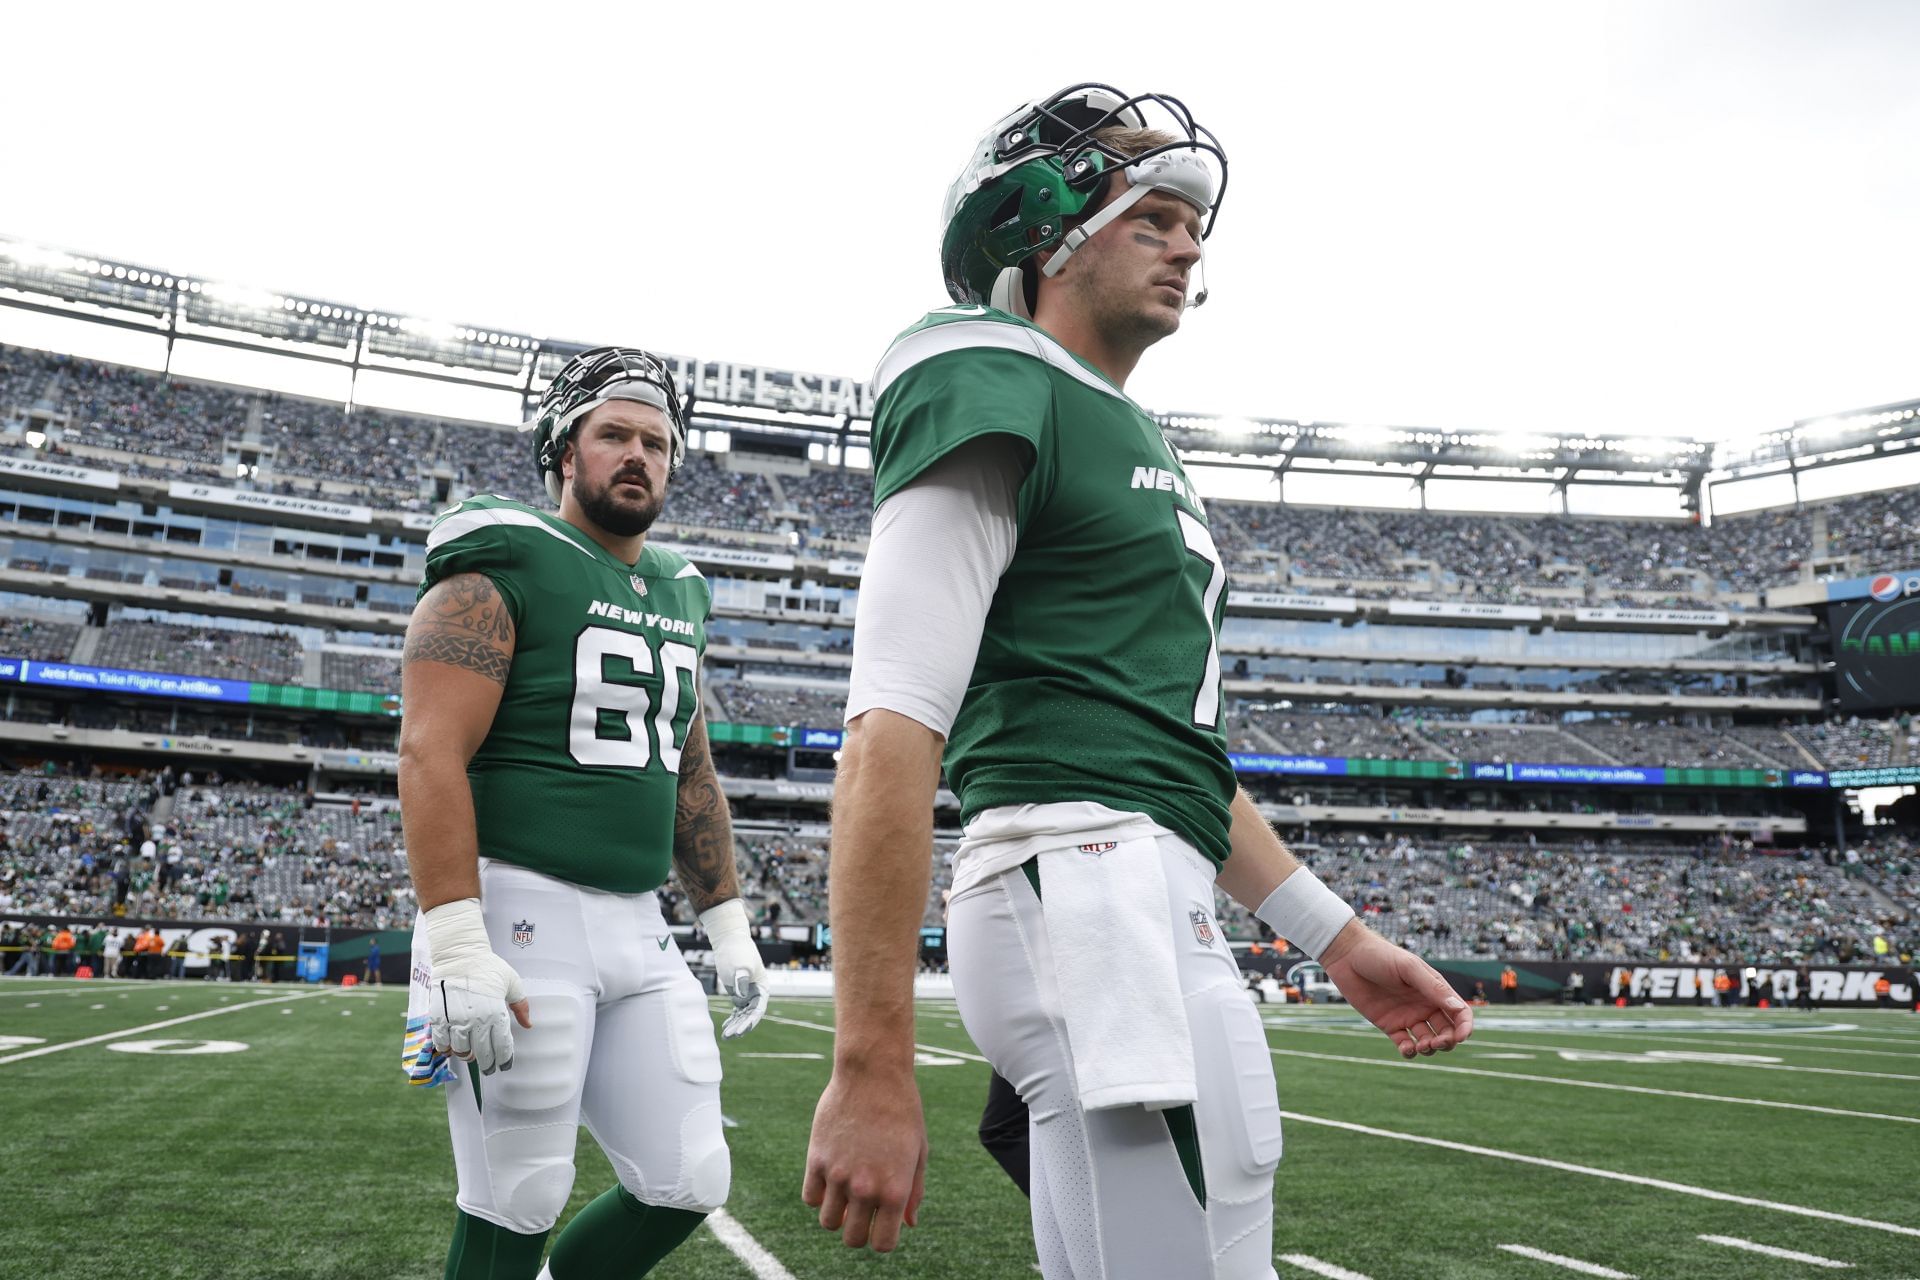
1846,1037
1611,1175
1668,1037
92,986
1790,1255
154,1026
1697,1062
1571,1264
1597,1084
1307,1262
924,1048
743,1246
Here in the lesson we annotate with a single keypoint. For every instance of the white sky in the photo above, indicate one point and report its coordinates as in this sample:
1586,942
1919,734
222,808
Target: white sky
1696,218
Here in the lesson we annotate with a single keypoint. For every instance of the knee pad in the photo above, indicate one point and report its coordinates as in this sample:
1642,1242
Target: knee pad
709,1175
531,1171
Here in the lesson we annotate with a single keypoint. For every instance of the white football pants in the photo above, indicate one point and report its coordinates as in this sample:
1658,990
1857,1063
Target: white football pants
1111,1198
621,1040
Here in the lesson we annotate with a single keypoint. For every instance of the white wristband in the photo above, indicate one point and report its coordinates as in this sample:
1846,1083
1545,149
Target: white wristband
1305,912
456,930
725,920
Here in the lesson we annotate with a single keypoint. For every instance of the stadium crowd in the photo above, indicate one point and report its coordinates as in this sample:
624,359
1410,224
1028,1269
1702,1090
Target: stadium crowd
230,850
400,460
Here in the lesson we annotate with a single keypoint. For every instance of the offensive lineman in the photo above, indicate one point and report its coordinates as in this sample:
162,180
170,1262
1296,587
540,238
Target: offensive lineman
553,763
1042,602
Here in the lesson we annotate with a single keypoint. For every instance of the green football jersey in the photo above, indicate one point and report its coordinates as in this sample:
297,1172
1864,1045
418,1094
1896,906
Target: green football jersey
1098,676
578,776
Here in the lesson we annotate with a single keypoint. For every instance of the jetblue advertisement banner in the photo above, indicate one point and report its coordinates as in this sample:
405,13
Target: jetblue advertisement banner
1323,766
1615,775
157,684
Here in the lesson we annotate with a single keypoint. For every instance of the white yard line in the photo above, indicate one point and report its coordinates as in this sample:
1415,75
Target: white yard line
1791,1255
743,1246
1571,1264
1660,1184
153,1026
924,1048
1598,1084
1669,1037
1307,1262
1556,1048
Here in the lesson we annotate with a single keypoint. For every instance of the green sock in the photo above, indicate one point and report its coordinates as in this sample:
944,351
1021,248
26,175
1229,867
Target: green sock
483,1251
618,1238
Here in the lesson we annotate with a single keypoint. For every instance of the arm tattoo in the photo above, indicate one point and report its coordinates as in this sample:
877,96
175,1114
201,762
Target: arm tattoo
702,827
463,622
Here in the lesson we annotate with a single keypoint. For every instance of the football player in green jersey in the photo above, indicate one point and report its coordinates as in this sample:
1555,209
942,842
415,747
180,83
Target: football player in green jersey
1040,611
553,768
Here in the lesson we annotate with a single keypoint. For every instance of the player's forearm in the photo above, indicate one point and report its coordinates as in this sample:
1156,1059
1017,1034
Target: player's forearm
1258,861
882,861
436,819
702,827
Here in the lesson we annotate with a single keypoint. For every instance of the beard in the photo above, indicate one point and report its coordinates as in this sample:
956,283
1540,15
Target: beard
613,510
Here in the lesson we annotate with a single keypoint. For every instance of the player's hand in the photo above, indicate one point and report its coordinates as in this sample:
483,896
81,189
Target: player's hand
1397,992
867,1158
472,991
737,966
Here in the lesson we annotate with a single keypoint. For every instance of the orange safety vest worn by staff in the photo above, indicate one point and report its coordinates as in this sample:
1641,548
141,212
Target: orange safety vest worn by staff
63,941
1509,979
1880,988
1721,982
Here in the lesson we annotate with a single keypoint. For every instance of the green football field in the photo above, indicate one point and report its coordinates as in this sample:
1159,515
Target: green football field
1559,1142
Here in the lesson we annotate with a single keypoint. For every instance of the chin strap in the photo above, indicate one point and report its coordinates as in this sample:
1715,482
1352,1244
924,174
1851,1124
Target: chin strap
1085,232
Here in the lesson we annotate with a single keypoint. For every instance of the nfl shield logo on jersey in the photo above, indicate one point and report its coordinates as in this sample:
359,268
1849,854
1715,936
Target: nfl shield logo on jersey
523,933
1202,926
1105,846
639,584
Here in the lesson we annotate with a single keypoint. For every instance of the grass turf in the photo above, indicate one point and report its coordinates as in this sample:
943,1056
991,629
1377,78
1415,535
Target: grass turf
304,1155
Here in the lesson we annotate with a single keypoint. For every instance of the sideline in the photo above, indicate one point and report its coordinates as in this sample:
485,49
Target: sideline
154,1026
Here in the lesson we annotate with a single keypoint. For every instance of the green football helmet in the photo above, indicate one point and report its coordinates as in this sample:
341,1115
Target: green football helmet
1031,179
588,381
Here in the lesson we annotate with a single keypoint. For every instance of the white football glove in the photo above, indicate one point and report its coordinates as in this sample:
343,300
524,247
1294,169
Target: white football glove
737,966
472,987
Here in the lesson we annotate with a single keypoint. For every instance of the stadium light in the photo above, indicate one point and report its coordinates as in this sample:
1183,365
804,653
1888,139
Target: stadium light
240,296
1234,428
433,330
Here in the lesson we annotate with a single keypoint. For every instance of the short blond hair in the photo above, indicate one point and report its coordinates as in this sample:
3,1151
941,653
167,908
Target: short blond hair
1132,142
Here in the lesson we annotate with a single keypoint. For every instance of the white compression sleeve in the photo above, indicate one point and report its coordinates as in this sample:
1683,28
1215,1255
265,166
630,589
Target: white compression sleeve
938,548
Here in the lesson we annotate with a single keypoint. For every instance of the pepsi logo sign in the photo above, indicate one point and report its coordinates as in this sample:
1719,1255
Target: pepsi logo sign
1886,587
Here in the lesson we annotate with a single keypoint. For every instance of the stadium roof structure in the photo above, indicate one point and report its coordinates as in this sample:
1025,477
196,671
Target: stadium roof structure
801,408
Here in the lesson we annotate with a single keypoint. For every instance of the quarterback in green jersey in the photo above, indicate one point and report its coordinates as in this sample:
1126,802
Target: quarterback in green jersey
553,769
1040,613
